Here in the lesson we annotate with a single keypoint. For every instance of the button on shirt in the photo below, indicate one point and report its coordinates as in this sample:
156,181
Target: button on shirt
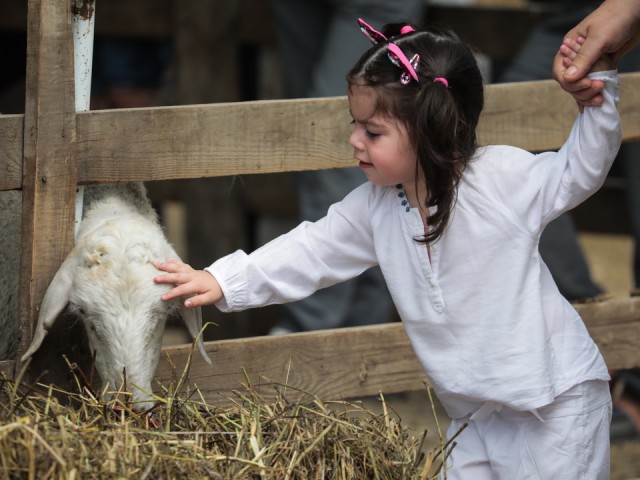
482,311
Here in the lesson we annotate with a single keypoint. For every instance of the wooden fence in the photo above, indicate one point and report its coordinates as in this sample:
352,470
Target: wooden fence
51,149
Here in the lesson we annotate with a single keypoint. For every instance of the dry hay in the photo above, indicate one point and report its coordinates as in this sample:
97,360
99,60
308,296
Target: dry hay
52,434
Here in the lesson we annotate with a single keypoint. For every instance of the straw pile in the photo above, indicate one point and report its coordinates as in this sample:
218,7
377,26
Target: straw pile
52,434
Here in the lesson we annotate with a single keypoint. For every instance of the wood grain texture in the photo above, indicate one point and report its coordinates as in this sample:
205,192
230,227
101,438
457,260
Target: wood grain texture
615,326
213,140
49,161
11,146
333,364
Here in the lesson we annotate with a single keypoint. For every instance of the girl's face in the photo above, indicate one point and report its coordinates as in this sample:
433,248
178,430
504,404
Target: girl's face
381,144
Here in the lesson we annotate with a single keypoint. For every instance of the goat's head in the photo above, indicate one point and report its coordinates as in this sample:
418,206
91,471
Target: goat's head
107,280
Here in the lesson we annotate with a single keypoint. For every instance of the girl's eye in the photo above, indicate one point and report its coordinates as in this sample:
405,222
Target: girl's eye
367,132
371,134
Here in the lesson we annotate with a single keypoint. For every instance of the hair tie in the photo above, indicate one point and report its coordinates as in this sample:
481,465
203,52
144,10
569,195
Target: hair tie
407,29
442,80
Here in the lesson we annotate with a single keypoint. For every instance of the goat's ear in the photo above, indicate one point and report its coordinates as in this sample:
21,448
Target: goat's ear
54,301
192,318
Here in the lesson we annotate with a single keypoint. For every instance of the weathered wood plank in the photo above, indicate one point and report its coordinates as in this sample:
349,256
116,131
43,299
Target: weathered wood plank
213,140
272,136
50,162
11,145
333,364
285,135
354,362
615,327
537,116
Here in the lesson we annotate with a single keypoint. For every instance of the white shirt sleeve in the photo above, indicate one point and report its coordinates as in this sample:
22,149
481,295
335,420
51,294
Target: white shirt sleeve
310,257
535,189
582,163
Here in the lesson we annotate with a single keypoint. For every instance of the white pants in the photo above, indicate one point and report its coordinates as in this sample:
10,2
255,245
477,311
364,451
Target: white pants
565,440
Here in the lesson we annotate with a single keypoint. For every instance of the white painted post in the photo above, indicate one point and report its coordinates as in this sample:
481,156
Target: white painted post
83,32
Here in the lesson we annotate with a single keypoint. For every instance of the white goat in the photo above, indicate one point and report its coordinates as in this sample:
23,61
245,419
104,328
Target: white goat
107,280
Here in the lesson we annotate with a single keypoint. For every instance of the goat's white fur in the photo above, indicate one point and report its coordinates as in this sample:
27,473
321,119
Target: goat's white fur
107,280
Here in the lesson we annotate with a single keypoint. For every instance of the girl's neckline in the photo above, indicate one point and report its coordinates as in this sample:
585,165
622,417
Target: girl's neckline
404,201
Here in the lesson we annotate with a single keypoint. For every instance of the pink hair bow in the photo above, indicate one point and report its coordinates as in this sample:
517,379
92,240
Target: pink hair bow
371,33
400,59
395,53
375,36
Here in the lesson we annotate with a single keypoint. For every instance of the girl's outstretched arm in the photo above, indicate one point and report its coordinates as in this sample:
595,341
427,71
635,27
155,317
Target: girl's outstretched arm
200,286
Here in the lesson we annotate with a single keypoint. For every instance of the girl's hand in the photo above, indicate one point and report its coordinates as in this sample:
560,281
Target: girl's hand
585,91
200,286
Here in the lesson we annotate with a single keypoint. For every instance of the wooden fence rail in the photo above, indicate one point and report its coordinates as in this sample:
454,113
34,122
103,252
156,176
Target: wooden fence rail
195,141
363,361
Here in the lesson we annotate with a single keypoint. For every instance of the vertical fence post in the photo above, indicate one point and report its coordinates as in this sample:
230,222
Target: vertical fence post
83,33
49,168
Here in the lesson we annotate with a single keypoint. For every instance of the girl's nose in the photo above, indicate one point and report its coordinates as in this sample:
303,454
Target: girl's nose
354,140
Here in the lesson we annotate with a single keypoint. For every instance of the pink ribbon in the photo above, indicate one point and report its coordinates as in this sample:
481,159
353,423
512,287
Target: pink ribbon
402,61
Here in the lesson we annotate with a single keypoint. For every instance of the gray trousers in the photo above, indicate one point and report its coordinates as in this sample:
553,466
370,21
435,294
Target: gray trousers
559,245
319,42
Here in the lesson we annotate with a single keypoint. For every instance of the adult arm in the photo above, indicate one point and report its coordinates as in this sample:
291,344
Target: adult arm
612,29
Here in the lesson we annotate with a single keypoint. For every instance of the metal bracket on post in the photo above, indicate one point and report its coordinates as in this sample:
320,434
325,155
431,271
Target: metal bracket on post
83,33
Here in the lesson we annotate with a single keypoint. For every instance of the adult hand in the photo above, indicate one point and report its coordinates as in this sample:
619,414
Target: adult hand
612,29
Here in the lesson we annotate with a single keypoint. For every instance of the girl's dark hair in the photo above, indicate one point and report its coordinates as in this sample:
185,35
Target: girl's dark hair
441,121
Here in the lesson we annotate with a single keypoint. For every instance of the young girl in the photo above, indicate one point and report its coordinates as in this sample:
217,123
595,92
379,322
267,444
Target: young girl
455,229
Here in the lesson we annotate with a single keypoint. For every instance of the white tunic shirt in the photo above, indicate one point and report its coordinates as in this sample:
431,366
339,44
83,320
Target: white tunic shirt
483,313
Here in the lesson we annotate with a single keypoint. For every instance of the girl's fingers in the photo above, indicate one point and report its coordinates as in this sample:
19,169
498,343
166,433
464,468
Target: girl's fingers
567,52
176,278
172,265
166,266
199,300
176,292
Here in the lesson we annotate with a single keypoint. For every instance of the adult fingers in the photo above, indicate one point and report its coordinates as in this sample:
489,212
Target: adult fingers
590,51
